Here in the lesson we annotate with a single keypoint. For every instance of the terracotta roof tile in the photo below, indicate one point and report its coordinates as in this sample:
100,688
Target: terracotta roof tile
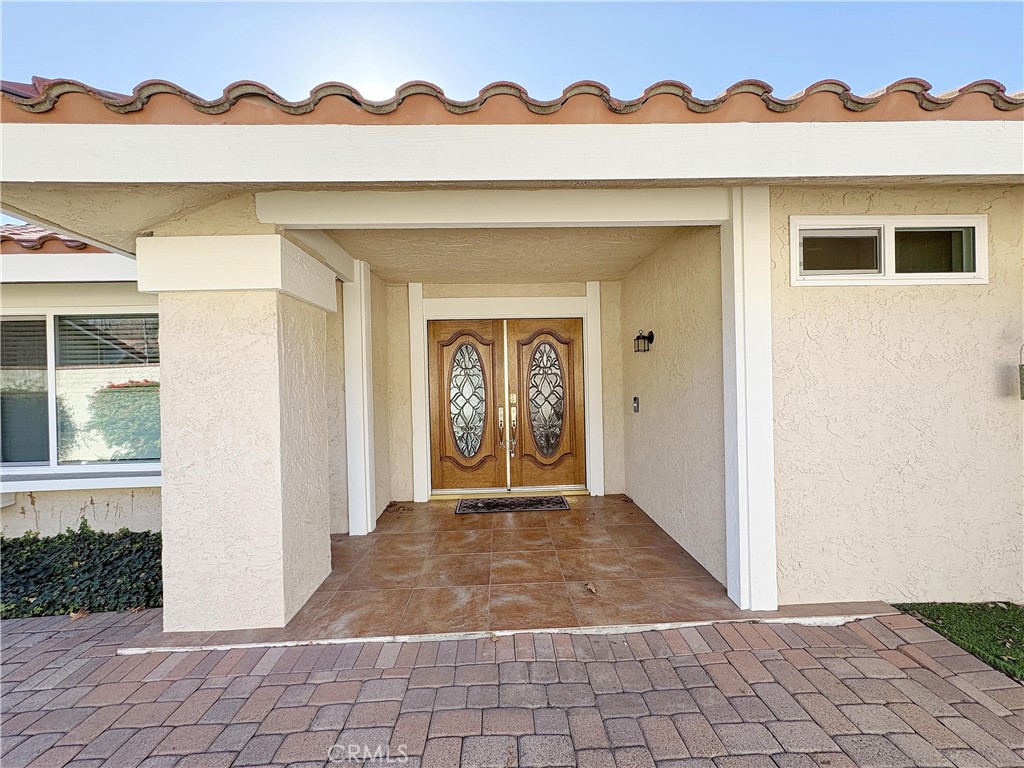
43,95
15,238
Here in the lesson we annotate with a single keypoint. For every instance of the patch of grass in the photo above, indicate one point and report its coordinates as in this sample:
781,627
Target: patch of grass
994,632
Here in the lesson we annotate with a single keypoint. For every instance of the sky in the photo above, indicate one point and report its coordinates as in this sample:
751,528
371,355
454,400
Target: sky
462,47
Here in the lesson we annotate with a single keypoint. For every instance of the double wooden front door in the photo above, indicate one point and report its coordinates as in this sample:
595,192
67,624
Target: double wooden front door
506,404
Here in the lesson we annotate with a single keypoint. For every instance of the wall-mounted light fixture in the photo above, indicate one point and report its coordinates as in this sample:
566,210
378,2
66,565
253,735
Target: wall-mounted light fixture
643,341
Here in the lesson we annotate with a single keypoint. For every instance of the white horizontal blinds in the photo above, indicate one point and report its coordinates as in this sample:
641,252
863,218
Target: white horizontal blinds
114,340
108,388
24,422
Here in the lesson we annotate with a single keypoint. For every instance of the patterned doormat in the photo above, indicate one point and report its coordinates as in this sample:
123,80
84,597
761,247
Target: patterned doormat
512,504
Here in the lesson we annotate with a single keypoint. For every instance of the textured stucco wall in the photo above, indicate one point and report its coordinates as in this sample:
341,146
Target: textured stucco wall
614,406
337,445
399,392
898,426
50,512
235,215
380,350
229,458
675,445
304,447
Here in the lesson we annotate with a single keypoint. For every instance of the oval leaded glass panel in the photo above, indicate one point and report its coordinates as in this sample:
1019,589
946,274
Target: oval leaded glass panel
466,400
547,398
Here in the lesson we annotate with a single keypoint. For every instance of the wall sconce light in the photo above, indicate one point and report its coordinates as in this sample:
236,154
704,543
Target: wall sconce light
643,341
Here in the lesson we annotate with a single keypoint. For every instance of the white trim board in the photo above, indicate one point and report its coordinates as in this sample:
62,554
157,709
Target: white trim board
121,154
362,505
751,557
66,268
421,310
473,209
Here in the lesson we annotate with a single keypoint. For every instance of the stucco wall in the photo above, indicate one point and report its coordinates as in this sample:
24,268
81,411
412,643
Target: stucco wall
399,392
234,215
50,512
304,446
229,457
898,426
613,340
337,445
675,445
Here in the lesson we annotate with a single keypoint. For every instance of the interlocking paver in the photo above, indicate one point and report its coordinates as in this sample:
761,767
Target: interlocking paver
721,696
546,752
490,751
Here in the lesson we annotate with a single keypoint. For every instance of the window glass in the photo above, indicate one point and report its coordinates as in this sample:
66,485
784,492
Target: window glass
935,250
108,378
24,424
840,250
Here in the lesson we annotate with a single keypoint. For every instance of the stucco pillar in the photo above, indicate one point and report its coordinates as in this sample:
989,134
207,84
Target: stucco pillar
245,512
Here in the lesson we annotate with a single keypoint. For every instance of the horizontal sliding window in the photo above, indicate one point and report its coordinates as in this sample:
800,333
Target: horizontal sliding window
832,251
949,251
79,389
24,395
108,388
898,250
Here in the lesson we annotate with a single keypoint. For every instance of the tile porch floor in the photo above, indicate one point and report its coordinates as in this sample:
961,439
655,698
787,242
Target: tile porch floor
426,570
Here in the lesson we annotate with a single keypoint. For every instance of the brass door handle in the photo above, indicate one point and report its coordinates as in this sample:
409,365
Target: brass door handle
512,420
501,426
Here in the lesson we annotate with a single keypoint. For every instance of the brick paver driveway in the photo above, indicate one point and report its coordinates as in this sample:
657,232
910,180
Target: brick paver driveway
885,692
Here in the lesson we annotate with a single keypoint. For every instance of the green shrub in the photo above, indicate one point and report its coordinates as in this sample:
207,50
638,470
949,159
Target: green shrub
83,570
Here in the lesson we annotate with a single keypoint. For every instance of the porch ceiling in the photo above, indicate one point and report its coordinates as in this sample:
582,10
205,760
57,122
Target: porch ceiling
535,255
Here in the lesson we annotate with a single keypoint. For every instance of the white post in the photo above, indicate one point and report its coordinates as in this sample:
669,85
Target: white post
594,388
749,410
359,402
420,416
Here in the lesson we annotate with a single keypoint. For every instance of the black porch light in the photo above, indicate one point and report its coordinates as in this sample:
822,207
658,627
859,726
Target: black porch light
643,341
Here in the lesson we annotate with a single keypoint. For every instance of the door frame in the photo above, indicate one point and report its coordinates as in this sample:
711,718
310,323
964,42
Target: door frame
587,307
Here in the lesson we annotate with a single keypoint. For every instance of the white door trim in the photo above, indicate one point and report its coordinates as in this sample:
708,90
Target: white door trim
749,404
421,310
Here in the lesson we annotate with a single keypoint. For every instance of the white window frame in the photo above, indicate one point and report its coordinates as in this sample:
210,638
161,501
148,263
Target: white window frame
51,475
888,226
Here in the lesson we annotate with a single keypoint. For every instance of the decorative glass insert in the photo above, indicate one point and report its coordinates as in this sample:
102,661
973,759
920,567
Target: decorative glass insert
467,400
547,398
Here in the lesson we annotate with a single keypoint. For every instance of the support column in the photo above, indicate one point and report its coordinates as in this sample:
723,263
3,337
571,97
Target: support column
749,409
362,517
246,531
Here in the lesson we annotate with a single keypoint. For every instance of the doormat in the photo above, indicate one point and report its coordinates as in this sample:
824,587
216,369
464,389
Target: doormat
512,504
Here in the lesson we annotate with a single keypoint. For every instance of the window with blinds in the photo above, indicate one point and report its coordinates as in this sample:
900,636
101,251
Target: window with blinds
108,388
24,404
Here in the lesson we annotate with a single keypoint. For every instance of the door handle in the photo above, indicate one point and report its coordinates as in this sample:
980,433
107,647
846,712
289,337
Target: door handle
512,421
501,427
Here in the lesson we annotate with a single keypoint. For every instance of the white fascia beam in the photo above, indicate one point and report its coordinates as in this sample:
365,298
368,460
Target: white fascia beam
318,243
31,218
303,211
124,154
32,267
